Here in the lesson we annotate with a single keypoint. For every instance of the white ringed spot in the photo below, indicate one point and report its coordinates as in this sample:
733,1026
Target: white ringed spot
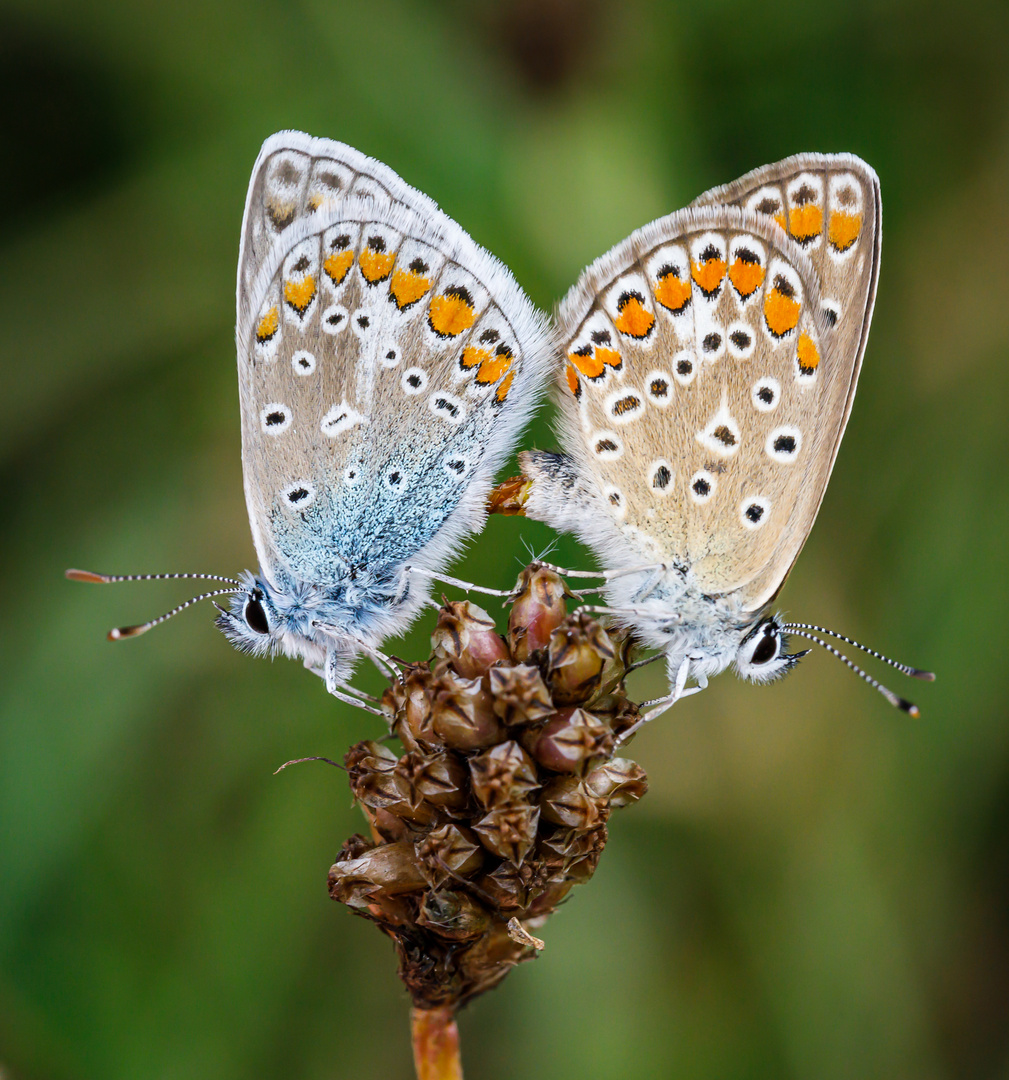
456,465
447,406
741,341
684,367
334,319
754,510
395,480
625,405
765,394
414,381
713,344
275,418
388,355
831,311
303,362
659,388
702,486
615,497
352,475
299,494
660,477
341,418
783,444
362,322
721,433
607,445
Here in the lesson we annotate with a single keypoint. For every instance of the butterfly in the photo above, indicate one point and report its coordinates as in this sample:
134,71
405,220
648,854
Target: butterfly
387,365
709,362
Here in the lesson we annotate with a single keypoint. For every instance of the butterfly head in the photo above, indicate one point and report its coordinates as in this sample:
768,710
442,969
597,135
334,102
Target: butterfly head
265,621
763,653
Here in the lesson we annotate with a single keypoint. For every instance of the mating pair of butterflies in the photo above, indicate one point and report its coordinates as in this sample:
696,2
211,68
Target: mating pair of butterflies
705,370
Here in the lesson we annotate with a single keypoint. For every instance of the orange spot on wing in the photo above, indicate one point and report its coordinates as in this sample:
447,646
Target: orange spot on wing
708,274
502,391
805,222
268,325
375,265
781,311
472,356
494,367
634,319
844,229
779,217
451,313
609,357
807,354
671,292
408,287
746,277
299,294
590,366
337,265
315,202
573,384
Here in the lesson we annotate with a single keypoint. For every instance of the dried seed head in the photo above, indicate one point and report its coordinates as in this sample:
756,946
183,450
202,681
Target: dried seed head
448,853
570,738
453,914
503,775
497,805
577,652
462,714
378,785
520,695
619,781
537,610
412,703
362,878
438,779
511,887
567,801
572,854
509,831
465,636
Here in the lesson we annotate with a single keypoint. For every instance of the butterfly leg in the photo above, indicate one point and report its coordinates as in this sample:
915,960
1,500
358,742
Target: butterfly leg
663,704
607,575
468,586
384,663
603,609
337,670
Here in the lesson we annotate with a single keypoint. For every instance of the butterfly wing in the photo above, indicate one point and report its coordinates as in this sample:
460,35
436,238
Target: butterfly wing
704,392
387,364
829,204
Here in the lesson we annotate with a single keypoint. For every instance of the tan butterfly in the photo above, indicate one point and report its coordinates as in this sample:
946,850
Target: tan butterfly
709,366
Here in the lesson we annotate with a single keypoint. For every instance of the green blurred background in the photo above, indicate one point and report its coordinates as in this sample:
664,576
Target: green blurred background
816,886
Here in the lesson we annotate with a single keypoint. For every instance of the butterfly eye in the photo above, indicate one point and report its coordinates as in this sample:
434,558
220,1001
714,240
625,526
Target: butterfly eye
767,648
255,616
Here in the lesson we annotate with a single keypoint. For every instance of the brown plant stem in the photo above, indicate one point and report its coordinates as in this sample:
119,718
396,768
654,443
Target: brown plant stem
435,1043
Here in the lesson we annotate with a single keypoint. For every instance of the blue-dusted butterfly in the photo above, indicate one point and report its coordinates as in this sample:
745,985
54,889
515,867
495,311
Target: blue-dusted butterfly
386,365
709,366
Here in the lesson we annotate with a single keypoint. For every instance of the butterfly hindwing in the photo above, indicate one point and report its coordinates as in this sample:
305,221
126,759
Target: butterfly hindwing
830,206
386,365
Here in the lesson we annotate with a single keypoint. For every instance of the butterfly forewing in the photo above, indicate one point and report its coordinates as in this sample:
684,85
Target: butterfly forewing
704,393
386,364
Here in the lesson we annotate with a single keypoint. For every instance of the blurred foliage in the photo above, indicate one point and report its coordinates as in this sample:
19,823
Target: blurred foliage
817,886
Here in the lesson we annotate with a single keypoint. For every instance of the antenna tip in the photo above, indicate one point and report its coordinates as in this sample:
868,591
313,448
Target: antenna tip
909,707
85,575
925,676
121,632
